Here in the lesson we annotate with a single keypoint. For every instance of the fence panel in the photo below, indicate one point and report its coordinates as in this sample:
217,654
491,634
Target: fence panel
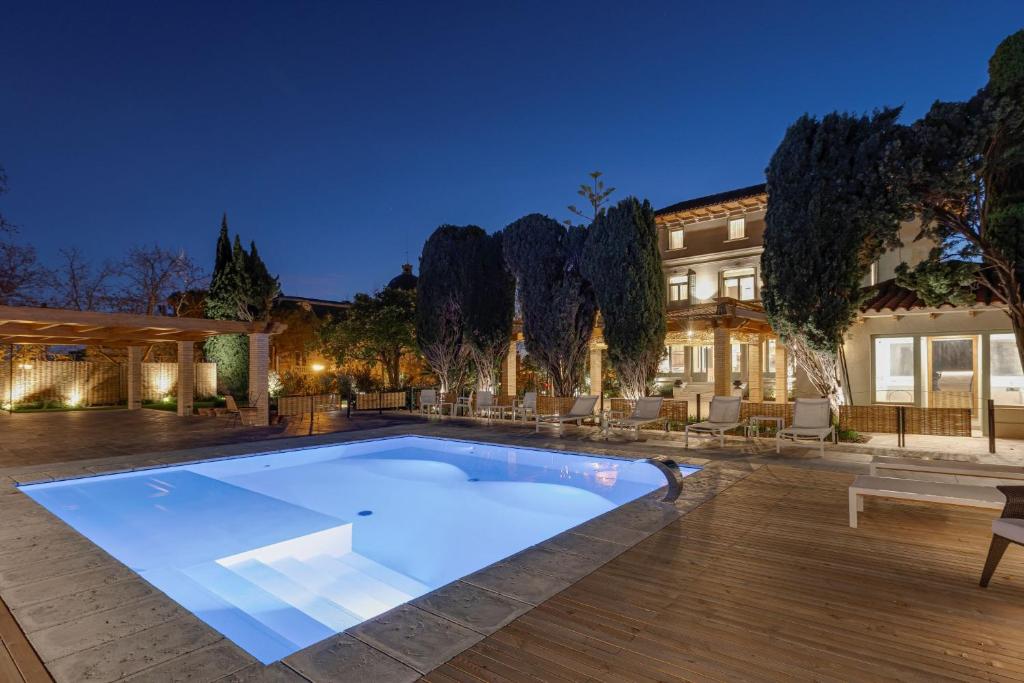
938,421
749,409
298,405
875,418
382,400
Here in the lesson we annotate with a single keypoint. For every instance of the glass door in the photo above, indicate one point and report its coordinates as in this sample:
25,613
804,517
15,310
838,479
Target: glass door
953,372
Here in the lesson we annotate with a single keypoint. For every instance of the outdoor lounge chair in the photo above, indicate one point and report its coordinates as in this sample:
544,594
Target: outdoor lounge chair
646,411
236,413
485,406
723,416
464,404
525,406
1009,528
429,403
812,419
582,408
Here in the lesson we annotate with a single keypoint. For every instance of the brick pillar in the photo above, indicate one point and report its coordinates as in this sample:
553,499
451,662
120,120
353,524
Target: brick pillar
781,378
723,362
134,377
186,378
6,378
755,391
595,373
259,368
509,369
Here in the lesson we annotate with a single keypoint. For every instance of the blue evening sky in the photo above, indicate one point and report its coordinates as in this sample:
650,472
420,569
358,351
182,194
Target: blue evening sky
339,136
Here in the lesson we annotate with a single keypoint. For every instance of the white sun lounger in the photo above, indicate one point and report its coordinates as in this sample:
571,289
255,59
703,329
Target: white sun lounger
812,419
723,416
582,409
647,411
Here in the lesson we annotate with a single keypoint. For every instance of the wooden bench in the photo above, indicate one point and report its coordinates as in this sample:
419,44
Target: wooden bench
951,467
928,491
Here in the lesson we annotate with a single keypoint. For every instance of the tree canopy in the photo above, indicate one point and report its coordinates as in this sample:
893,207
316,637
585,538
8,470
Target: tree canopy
622,261
968,188
378,328
241,286
488,298
557,302
836,197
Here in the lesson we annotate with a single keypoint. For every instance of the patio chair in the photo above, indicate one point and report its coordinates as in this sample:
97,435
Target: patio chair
812,419
647,411
429,403
485,405
1009,528
525,406
582,408
236,412
723,416
465,404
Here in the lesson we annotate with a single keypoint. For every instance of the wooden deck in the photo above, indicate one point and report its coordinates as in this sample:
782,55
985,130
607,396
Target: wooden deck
19,663
767,582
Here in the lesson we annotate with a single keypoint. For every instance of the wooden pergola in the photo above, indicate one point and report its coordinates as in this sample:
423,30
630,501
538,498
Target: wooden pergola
54,326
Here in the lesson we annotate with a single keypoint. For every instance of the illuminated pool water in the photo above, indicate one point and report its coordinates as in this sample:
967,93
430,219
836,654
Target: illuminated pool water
281,550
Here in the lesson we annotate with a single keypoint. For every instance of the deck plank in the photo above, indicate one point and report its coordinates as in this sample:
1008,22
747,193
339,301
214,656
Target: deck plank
767,582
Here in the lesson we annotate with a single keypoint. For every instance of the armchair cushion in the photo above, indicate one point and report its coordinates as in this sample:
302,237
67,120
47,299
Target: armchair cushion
1012,529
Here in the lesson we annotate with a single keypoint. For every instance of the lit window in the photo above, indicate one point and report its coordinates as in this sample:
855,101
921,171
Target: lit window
737,228
894,370
769,356
679,288
738,284
1006,376
675,239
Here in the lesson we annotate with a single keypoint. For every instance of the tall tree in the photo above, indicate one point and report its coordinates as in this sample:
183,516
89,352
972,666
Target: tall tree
557,302
968,188
151,274
622,262
836,197
241,288
378,328
81,286
596,195
488,306
439,315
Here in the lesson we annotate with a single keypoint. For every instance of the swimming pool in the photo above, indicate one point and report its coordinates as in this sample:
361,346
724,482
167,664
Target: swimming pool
278,551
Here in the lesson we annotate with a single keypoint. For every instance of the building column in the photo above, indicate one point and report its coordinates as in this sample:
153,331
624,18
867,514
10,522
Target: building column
723,361
755,391
259,369
6,377
781,373
688,352
509,369
186,377
134,377
596,375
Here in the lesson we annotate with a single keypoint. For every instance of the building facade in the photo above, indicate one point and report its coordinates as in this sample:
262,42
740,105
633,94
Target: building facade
900,351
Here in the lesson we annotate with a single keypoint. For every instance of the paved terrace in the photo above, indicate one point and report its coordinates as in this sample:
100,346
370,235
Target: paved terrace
752,574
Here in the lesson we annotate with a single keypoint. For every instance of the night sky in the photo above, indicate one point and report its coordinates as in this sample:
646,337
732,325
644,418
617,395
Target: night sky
339,137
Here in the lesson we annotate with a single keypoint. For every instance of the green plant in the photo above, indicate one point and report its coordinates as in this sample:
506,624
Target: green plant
557,302
623,264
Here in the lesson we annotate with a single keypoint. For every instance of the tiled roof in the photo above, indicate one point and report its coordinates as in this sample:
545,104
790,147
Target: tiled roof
712,199
889,296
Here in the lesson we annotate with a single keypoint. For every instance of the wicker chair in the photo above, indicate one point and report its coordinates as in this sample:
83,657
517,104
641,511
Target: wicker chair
1009,528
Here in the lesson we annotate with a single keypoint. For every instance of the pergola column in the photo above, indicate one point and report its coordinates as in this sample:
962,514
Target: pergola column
6,376
509,369
259,367
186,377
134,377
781,373
755,389
723,361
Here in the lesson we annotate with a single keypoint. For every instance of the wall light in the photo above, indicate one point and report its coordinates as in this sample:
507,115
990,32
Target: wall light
318,367
75,398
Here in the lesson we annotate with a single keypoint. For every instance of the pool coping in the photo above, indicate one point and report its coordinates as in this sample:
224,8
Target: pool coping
86,631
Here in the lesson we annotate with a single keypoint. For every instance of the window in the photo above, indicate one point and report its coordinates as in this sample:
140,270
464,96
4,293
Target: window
675,239
769,356
702,358
1007,378
679,288
894,370
739,284
737,228
677,358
